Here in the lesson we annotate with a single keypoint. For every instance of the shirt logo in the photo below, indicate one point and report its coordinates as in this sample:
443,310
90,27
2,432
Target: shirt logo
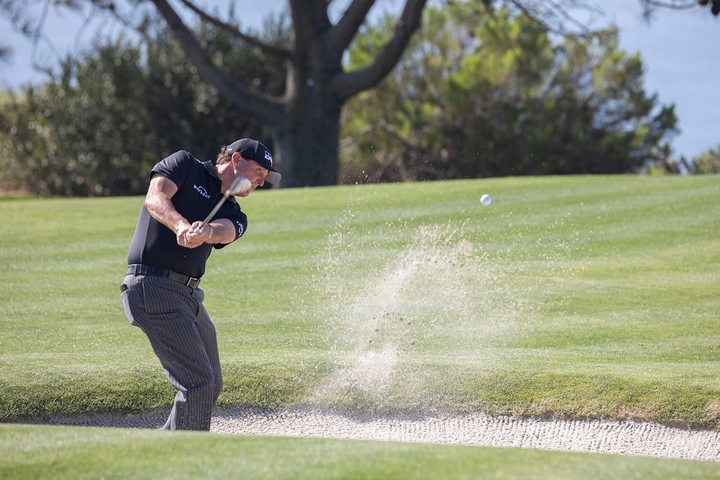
268,157
201,190
240,228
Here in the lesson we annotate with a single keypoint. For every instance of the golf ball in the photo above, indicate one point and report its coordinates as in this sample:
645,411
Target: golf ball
486,199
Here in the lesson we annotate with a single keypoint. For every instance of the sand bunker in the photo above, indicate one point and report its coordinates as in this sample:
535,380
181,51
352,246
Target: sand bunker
596,436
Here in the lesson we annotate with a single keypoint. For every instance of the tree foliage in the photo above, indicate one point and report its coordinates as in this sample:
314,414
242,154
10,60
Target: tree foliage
707,162
99,126
480,95
650,5
468,99
304,118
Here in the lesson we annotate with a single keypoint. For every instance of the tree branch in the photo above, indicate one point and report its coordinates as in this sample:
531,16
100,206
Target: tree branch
267,109
349,84
554,16
310,19
340,36
674,4
251,40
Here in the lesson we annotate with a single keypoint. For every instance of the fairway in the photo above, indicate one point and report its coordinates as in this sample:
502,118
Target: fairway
567,297
77,453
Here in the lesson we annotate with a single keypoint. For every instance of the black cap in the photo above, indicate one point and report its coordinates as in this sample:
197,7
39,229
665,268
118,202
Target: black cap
254,150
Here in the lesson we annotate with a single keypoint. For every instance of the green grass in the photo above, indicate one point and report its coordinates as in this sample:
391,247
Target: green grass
79,453
568,297
571,297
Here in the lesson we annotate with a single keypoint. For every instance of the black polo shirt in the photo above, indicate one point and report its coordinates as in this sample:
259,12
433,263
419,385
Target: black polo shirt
199,190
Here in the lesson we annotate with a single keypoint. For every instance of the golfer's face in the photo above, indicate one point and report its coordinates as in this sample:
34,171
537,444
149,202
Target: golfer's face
253,171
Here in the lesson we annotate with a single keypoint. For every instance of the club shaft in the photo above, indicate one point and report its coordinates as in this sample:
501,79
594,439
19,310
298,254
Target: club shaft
211,214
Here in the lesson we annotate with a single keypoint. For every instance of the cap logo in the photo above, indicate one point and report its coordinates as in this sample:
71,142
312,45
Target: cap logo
268,157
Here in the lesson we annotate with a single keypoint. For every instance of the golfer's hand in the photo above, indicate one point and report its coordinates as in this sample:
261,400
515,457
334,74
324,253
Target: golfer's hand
186,236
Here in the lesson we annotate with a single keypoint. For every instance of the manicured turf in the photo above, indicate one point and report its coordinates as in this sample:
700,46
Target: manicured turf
568,296
84,453
572,297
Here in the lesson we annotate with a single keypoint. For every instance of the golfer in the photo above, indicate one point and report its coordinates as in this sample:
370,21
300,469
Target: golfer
167,259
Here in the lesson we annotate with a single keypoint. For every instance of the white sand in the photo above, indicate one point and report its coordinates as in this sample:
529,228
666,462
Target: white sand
597,436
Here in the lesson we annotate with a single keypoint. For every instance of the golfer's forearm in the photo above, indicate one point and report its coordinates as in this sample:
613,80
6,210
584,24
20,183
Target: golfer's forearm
158,203
223,231
161,209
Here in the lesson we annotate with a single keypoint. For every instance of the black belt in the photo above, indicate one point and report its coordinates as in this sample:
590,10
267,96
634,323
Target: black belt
137,269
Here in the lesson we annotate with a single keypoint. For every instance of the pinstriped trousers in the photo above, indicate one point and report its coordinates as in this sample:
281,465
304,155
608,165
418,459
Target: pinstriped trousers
183,337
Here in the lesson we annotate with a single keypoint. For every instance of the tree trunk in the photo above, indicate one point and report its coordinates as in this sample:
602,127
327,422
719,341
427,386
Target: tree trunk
307,148
305,122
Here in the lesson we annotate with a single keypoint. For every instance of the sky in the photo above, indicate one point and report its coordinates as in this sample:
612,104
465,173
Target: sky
678,49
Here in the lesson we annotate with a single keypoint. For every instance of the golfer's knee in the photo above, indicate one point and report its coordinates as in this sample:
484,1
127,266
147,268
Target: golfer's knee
202,379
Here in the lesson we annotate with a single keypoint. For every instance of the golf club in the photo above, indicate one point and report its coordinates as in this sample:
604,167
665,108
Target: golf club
240,185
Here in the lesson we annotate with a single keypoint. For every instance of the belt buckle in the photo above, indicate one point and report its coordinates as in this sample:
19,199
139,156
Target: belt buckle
192,282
